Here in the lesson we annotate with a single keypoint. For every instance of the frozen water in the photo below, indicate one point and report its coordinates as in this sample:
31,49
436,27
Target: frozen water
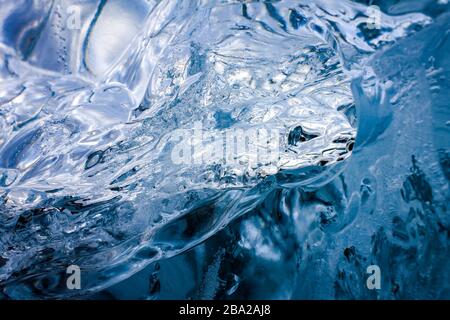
343,161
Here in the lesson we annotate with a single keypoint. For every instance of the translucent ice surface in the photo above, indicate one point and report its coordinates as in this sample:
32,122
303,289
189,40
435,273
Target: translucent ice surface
224,149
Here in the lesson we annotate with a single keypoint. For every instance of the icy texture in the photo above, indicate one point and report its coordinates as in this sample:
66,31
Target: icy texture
90,118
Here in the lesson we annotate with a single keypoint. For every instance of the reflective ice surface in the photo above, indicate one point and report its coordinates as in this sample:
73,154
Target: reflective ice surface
97,98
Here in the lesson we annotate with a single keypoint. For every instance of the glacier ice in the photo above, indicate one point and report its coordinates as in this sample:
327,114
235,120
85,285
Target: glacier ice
95,96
